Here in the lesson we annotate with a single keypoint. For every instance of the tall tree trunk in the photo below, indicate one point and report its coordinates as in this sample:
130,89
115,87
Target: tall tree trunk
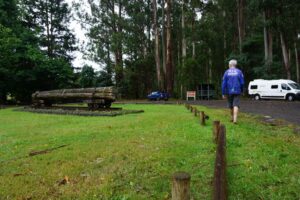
194,50
224,36
270,47
183,32
108,49
268,40
163,42
285,55
241,22
209,66
49,51
157,49
169,64
149,27
265,37
297,62
193,35
108,63
119,51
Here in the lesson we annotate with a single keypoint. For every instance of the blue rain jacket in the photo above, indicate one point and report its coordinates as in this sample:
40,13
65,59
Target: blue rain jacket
233,82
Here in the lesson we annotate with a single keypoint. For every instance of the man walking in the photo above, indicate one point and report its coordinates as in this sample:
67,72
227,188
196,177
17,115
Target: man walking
232,87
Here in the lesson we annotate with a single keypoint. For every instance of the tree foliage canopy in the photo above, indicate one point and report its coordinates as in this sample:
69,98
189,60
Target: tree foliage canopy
145,45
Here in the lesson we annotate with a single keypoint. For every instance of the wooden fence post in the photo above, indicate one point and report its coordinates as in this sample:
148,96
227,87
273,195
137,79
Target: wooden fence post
181,186
195,112
191,108
216,128
220,182
202,118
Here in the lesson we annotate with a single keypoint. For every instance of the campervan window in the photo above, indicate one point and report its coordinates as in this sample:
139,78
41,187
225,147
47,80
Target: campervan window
295,86
274,86
253,87
285,87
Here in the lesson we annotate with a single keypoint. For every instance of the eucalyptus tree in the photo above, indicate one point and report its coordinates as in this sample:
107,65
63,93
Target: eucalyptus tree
169,61
157,46
104,21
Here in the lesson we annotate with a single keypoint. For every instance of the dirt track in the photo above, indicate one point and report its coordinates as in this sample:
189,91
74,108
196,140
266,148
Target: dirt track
289,111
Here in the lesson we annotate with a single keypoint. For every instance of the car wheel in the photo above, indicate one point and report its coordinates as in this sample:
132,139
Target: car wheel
290,97
257,97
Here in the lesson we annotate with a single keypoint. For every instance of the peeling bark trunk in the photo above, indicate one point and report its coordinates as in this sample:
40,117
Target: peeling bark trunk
285,55
157,49
169,64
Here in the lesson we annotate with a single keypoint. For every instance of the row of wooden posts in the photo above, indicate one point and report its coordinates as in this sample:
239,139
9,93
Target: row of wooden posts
197,113
181,180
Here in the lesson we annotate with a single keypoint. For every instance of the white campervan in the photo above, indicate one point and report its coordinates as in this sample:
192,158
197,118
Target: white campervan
274,89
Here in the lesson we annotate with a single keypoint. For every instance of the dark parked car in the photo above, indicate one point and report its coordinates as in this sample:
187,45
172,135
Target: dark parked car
157,95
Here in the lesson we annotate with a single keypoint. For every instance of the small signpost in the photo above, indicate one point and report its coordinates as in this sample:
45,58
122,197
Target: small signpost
191,94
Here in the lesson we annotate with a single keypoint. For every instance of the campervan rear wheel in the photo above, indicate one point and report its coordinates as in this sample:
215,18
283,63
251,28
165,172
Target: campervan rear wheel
257,97
290,97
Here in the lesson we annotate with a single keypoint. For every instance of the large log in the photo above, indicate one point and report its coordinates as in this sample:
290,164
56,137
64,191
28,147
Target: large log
107,94
85,90
74,95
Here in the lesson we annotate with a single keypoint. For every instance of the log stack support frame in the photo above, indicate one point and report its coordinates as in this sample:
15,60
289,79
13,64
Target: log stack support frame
99,97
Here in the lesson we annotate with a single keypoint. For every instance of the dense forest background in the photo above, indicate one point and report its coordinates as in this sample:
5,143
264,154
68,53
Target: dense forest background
144,45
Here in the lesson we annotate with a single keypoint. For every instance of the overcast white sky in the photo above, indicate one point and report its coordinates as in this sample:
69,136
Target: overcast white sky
79,33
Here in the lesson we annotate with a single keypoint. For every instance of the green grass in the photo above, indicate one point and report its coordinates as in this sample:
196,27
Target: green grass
134,156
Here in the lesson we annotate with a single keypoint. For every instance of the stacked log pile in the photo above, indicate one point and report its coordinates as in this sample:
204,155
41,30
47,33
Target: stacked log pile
107,93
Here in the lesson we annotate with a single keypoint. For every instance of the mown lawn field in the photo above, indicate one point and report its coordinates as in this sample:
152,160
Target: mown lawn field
133,156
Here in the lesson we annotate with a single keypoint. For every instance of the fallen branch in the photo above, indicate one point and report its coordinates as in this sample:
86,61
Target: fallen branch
34,153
